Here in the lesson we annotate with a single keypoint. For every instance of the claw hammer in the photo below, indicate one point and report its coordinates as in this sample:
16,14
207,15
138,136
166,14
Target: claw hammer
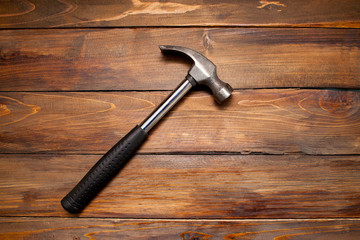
202,72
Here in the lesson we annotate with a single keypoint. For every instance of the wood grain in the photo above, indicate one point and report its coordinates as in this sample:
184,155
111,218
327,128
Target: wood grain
188,186
253,121
110,13
129,59
274,162
47,228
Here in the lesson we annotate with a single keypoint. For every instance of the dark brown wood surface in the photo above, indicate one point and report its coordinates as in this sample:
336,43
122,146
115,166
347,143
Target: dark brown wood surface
129,59
35,228
134,13
268,121
279,160
188,186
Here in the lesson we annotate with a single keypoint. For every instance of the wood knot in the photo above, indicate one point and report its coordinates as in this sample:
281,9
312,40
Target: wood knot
206,41
271,5
195,236
4,110
13,110
6,55
337,102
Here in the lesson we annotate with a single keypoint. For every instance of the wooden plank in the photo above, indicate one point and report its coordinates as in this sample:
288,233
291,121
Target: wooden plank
129,59
274,121
47,228
188,186
110,13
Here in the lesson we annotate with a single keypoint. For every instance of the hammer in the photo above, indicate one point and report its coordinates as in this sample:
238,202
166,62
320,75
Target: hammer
202,72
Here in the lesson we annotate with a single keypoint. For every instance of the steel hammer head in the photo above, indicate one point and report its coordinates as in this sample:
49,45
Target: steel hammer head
202,72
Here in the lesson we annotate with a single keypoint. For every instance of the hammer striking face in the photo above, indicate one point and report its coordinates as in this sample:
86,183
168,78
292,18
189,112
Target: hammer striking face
202,72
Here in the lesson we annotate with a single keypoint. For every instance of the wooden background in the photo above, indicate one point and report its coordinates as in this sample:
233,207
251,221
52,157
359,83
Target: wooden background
280,160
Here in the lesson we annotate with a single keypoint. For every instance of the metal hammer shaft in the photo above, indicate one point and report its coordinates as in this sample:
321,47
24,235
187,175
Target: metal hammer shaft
166,105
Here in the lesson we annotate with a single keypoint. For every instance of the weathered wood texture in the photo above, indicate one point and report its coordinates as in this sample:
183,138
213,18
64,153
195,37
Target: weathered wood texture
71,13
188,186
47,228
68,94
260,121
129,59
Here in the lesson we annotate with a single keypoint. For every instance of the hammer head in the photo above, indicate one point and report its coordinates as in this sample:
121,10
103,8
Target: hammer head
202,72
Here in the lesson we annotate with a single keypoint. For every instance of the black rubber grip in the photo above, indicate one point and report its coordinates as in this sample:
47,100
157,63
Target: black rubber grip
103,171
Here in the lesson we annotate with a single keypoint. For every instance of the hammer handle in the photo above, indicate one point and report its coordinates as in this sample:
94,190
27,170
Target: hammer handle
103,171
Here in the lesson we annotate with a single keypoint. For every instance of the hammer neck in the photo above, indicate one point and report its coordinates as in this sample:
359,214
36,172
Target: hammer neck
166,105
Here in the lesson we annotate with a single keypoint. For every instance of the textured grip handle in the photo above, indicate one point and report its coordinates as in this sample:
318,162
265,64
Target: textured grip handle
103,171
